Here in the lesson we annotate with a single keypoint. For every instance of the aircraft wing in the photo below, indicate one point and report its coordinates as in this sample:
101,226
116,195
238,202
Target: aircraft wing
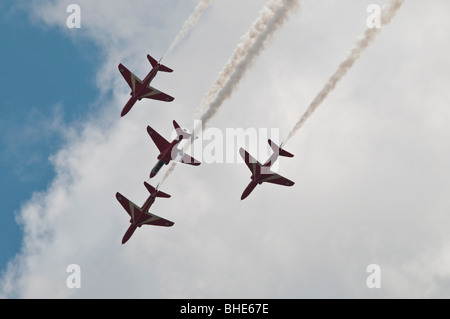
152,93
252,164
130,78
151,219
277,179
161,143
129,206
186,159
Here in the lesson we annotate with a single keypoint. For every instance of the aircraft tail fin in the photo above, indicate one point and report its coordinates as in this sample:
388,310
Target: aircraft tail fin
154,63
278,149
180,131
151,190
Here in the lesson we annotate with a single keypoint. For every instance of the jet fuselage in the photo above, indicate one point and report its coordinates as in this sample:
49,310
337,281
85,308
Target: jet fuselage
165,157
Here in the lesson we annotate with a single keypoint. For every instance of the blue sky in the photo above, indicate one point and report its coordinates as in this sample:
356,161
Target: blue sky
46,82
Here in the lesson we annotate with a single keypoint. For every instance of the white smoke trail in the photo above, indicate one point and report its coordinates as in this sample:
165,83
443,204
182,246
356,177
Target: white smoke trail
271,18
387,13
168,172
190,22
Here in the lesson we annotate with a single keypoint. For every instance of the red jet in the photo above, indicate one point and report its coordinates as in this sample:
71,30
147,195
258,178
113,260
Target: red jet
169,151
141,216
262,173
141,89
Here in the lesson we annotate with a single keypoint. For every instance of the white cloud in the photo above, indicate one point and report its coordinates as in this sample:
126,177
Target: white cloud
370,165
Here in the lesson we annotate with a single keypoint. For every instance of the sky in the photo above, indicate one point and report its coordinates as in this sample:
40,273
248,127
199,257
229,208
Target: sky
370,167
36,104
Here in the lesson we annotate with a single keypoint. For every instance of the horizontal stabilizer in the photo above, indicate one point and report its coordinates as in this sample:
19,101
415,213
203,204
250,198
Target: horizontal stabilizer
164,68
154,63
277,149
152,190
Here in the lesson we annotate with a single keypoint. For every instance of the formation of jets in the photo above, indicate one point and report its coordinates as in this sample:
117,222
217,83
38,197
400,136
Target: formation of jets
169,151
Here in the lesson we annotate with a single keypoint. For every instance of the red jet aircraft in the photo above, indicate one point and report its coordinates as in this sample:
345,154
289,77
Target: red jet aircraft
262,173
141,216
169,151
141,89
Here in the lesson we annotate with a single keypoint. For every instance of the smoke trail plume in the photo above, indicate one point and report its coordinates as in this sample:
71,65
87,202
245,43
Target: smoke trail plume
271,18
190,22
168,172
387,13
